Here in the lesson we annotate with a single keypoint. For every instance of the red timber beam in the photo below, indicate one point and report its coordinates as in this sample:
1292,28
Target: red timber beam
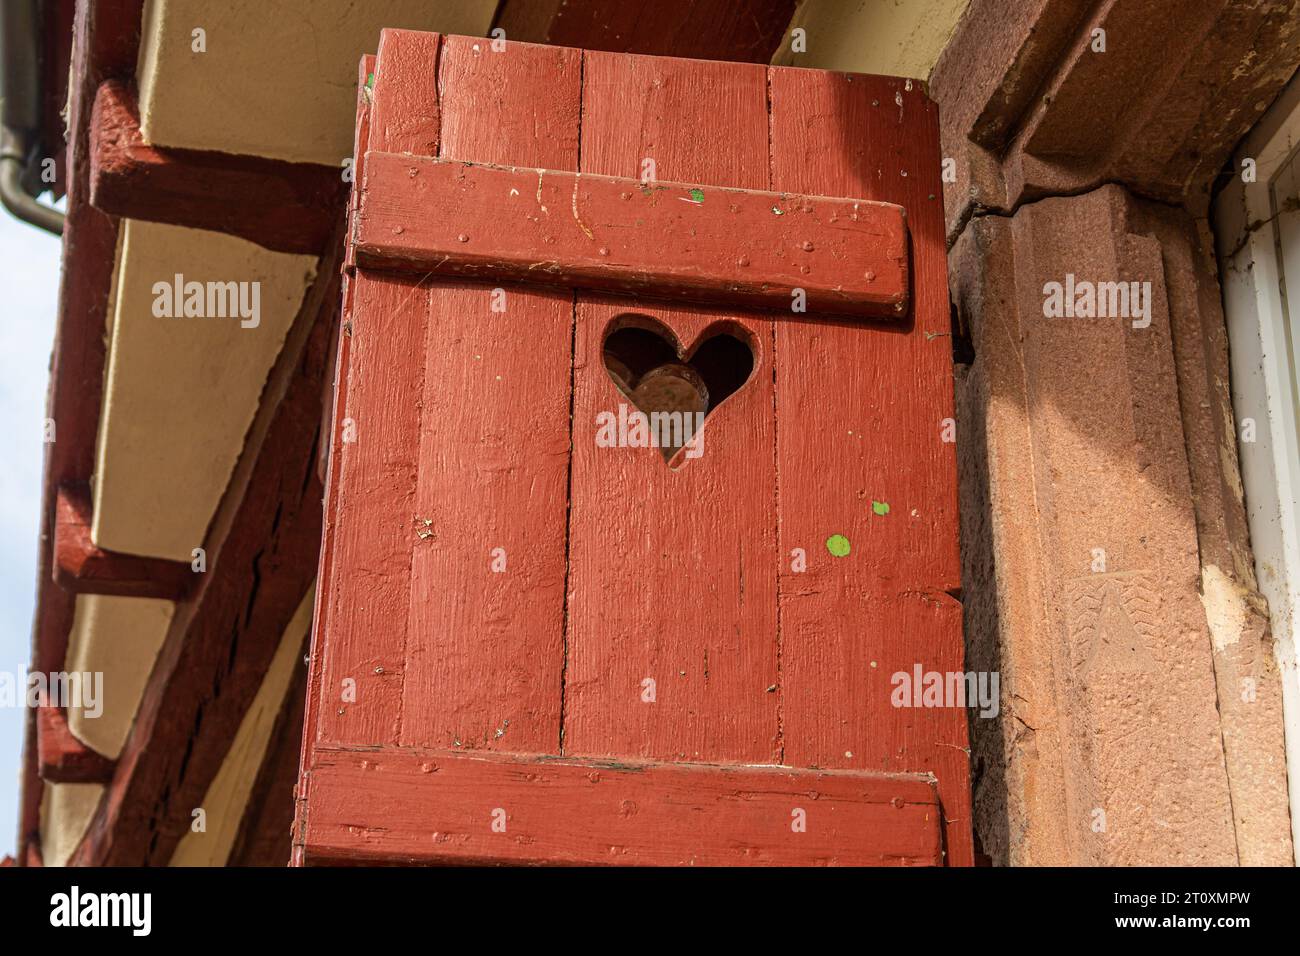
747,31
288,207
64,758
82,568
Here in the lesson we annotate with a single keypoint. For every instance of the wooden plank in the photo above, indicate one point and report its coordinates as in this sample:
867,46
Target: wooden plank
638,108
62,757
338,347
364,615
671,240
748,30
288,207
669,580
531,93
484,658
486,619
82,568
882,398
441,806
357,697
404,116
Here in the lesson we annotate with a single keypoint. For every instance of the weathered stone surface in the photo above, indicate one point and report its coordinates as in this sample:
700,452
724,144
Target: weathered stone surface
1246,671
1123,738
1031,108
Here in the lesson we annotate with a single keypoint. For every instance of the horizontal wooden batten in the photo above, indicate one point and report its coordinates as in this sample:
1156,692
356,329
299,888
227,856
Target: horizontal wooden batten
456,807
704,243
83,568
287,207
62,758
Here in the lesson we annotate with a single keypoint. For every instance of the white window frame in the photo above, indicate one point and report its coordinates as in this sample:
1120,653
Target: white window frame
1259,250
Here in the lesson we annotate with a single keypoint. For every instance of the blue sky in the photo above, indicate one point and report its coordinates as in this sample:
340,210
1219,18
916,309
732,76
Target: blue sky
29,280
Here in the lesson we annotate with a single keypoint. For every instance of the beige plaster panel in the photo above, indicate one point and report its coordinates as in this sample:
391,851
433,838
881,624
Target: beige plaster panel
891,37
277,79
119,638
227,796
180,393
66,810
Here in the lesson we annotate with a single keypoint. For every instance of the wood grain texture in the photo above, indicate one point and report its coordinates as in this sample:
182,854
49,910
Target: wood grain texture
360,143
700,122
670,240
486,619
361,611
518,107
404,115
671,580
289,207
318,639
439,807
487,626
881,398
678,572
375,529
82,568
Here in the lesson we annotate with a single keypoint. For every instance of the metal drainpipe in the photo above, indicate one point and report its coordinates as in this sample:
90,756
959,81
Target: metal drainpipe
20,113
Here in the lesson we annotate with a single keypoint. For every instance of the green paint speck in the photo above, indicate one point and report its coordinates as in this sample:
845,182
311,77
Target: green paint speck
838,545
880,507
370,81
697,195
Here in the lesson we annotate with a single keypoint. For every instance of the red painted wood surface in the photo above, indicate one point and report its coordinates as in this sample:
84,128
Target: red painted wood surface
373,481
289,207
335,381
881,399
62,757
490,501
82,568
375,518
450,471
475,430
441,807
669,240
404,114
671,582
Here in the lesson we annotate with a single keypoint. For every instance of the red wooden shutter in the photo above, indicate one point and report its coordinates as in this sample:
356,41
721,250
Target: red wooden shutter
533,648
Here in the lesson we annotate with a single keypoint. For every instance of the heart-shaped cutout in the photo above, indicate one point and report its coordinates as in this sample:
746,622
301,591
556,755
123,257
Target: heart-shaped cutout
655,374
